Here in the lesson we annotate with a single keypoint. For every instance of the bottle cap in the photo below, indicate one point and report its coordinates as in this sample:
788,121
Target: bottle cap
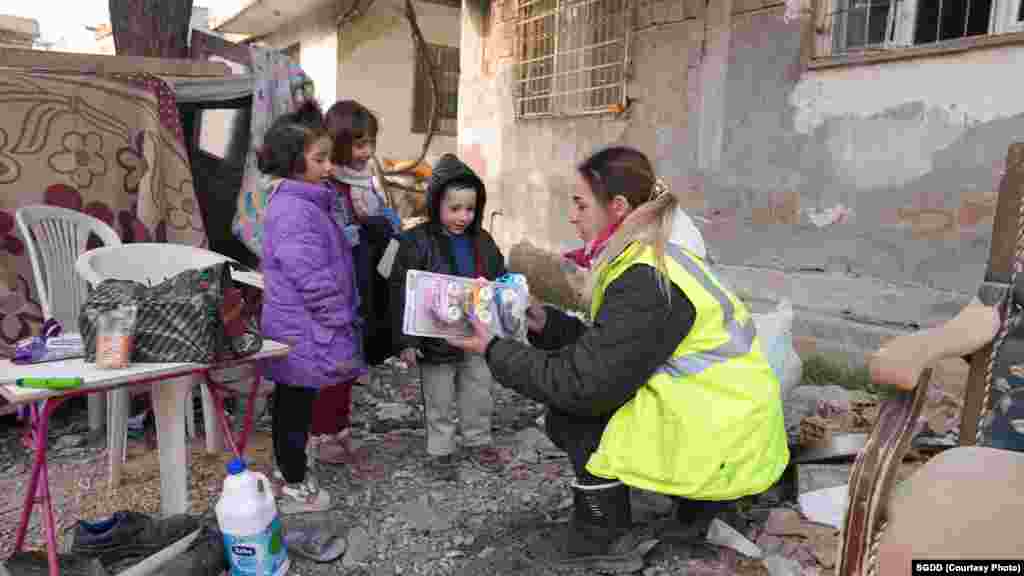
236,466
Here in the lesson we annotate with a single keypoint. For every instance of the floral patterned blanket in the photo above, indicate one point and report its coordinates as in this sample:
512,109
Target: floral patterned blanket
109,146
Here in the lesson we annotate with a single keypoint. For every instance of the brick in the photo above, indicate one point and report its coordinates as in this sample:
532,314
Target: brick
783,208
930,223
805,346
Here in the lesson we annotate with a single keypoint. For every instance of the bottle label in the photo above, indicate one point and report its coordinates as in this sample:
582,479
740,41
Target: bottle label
261,554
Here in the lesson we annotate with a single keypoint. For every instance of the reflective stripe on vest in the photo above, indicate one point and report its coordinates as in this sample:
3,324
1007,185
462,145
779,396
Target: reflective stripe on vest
741,336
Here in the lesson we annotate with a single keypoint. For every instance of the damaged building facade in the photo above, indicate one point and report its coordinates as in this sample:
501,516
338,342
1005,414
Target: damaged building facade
843,154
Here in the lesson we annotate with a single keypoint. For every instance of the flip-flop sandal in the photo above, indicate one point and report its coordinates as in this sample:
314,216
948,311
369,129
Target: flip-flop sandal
315,544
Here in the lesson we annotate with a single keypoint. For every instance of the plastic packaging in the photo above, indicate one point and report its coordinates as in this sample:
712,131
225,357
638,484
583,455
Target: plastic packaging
775,331
115,337
439,305
50,346
248,519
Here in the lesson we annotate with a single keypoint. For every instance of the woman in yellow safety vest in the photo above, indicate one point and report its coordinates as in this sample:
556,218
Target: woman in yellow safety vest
667,390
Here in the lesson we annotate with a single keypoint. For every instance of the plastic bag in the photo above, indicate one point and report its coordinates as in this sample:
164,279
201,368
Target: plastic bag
50,346
775,332
115,337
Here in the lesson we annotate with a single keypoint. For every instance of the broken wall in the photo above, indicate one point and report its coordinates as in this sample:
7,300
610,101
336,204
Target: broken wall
865,193
529,165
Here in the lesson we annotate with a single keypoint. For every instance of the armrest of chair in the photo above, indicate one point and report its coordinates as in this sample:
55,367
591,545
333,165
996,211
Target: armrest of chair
901,362
904,363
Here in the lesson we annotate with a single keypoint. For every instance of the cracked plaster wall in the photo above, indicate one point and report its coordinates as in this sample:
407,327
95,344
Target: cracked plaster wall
913,150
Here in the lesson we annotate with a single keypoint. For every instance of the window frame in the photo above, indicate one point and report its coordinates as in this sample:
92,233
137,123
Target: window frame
902,21
1008,17
421,89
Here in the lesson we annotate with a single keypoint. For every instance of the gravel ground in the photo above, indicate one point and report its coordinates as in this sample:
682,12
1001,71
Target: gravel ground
396,520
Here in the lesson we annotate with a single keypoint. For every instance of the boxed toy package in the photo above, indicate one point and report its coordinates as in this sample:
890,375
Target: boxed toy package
439,305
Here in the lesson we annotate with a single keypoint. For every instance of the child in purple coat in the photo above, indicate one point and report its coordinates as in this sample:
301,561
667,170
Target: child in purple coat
311,297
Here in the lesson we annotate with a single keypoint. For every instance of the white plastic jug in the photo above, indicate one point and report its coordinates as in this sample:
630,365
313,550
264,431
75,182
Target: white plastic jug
247,517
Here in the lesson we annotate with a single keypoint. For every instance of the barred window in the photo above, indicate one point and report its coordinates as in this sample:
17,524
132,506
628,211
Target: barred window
571,56
446,58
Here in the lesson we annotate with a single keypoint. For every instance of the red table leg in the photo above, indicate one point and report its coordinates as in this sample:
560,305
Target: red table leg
38,490
222,416
216,392
250,409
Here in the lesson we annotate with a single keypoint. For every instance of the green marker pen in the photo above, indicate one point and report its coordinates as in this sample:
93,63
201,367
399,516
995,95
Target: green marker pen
50,383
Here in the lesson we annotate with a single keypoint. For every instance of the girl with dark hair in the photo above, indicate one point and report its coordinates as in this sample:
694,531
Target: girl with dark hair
667,390
310,298
360,209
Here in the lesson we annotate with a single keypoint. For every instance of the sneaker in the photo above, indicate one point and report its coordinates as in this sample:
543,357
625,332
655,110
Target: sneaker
37,564
277,481
204,557
486,458
443,468
127,536
333,449
303,497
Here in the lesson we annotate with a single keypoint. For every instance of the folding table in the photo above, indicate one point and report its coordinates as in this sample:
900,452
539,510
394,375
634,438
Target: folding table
171,383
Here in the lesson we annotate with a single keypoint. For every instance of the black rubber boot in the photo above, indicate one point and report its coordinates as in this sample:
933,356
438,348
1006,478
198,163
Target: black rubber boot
600,530
693,518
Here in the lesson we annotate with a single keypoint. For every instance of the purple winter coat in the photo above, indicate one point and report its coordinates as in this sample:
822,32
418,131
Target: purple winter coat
310,298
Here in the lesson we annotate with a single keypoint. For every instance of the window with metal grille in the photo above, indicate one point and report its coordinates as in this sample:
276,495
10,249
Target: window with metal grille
446,59
571,56
858,25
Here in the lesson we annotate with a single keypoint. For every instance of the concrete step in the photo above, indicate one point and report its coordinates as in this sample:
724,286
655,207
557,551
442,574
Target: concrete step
842,316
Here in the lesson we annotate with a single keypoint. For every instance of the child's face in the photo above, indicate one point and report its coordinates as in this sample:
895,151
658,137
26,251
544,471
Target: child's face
362,151
458,208
318,161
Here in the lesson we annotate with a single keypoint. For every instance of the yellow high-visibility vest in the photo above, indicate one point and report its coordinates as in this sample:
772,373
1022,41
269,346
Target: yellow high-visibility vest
707,425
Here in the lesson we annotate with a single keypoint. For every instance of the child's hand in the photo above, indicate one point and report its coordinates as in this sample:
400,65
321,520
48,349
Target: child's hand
396,222
410,356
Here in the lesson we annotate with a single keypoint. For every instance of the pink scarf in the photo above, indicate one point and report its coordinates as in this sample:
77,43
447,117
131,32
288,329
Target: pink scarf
583,257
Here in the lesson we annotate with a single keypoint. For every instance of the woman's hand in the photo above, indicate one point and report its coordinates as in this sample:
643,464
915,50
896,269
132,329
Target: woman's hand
477,343
536,316
411,357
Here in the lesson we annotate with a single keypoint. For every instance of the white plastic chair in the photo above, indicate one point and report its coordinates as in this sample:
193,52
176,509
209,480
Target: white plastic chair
150,264
55,238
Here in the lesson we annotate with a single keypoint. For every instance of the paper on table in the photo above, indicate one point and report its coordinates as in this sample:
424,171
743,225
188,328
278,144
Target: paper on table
826,506
250,278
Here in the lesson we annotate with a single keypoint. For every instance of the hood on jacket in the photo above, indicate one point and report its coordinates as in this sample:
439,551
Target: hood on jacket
685,234
447,171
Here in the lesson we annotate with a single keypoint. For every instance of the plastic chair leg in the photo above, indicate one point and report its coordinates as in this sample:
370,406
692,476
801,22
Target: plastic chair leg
118,406
211,427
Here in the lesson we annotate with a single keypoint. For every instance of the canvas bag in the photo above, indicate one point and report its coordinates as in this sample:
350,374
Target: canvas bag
198,315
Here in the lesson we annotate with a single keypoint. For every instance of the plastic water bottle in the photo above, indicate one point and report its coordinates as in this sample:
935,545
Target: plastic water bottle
247,516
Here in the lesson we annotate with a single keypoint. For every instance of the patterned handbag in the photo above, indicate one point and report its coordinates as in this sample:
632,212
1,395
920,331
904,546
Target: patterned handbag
198,315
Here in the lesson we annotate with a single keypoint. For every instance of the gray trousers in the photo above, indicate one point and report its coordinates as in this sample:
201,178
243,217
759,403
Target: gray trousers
466,384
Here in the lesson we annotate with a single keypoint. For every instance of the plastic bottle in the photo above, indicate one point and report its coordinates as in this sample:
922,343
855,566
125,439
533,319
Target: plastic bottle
247,516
